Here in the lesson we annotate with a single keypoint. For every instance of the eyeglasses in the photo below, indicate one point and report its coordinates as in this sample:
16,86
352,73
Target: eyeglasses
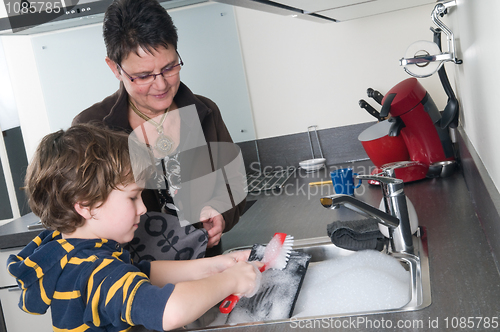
148,79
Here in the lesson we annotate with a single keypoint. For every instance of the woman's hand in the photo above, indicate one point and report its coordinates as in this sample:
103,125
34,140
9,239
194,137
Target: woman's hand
214,223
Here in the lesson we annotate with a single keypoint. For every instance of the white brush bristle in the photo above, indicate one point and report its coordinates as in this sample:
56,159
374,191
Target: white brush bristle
282,259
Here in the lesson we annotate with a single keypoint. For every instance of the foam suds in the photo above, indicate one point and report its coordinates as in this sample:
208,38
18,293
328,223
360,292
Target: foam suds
364,281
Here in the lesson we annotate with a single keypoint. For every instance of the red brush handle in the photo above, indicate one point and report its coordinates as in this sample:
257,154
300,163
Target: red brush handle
228,304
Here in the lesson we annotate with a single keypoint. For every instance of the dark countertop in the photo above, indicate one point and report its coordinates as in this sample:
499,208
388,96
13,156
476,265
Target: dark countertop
16,233
464,279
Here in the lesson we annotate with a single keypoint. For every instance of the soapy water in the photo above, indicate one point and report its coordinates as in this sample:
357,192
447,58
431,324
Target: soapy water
271,303
363,281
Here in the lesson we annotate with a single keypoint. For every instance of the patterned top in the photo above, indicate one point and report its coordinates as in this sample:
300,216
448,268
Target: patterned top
168,181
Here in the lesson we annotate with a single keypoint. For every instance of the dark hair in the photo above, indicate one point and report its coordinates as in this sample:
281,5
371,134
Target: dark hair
130,24
82,164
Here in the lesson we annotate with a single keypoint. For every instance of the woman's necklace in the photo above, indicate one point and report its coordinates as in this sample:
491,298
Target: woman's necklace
164,144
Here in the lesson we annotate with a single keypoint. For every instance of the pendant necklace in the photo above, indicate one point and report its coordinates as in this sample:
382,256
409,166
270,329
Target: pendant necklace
163,144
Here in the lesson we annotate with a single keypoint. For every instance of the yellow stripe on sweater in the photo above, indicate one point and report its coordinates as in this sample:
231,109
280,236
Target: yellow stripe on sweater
23,297
99,244
116,286
117,255
128,310
126,286
38,269
127,329
43,294
78,261
90,284
63,262
66,295
21,283
123,283
37,240
66,245
80,328
20,259
95,306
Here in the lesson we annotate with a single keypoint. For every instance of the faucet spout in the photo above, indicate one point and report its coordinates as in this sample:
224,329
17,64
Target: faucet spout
396,217
335,201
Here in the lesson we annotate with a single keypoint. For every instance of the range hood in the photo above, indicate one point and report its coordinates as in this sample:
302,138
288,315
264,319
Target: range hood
67,14
326,11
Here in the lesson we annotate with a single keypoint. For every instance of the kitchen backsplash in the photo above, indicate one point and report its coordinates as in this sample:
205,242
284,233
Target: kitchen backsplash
338,144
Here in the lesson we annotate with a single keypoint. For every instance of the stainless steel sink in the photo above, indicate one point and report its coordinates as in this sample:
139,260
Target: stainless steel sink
322,249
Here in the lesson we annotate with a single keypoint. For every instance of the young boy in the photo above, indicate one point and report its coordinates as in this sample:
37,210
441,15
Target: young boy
81,185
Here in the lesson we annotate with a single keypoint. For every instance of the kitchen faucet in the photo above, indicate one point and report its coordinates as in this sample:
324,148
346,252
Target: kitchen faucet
395,218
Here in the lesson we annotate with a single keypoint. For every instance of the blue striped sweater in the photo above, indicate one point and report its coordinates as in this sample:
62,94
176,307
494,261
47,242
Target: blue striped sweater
90,285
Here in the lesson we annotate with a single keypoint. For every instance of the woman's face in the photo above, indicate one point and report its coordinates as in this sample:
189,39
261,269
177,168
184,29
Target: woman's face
157,96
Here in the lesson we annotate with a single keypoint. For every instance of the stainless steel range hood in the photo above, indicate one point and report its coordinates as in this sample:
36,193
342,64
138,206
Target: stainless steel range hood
278,8
327,11
75,13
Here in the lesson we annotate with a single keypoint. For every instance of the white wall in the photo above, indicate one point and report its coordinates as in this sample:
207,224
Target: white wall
27,91
477,29
303,73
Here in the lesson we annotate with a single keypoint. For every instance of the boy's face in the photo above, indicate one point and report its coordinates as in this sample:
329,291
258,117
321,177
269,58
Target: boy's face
118,218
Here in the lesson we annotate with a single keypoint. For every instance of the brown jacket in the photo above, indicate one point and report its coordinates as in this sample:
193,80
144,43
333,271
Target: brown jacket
113,110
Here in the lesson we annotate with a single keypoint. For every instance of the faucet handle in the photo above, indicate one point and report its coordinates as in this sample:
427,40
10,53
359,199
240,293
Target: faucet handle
380,178
390,169
391,186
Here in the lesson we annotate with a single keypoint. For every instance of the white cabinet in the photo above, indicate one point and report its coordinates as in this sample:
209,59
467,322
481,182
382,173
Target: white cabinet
15,319
5,278
358,9
328,10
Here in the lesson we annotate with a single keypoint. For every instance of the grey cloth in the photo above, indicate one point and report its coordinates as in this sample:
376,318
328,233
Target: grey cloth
356,234
161,237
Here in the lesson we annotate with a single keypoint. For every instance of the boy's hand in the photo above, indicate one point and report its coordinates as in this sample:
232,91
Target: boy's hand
247,277
223,262
239,255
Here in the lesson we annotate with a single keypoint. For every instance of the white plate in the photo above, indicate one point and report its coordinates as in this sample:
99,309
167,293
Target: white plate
312,162
312,168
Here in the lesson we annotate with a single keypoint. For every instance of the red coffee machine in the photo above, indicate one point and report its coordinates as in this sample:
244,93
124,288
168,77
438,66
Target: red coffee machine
415,118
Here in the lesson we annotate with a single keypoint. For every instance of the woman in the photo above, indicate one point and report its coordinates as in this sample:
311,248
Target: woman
141,44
